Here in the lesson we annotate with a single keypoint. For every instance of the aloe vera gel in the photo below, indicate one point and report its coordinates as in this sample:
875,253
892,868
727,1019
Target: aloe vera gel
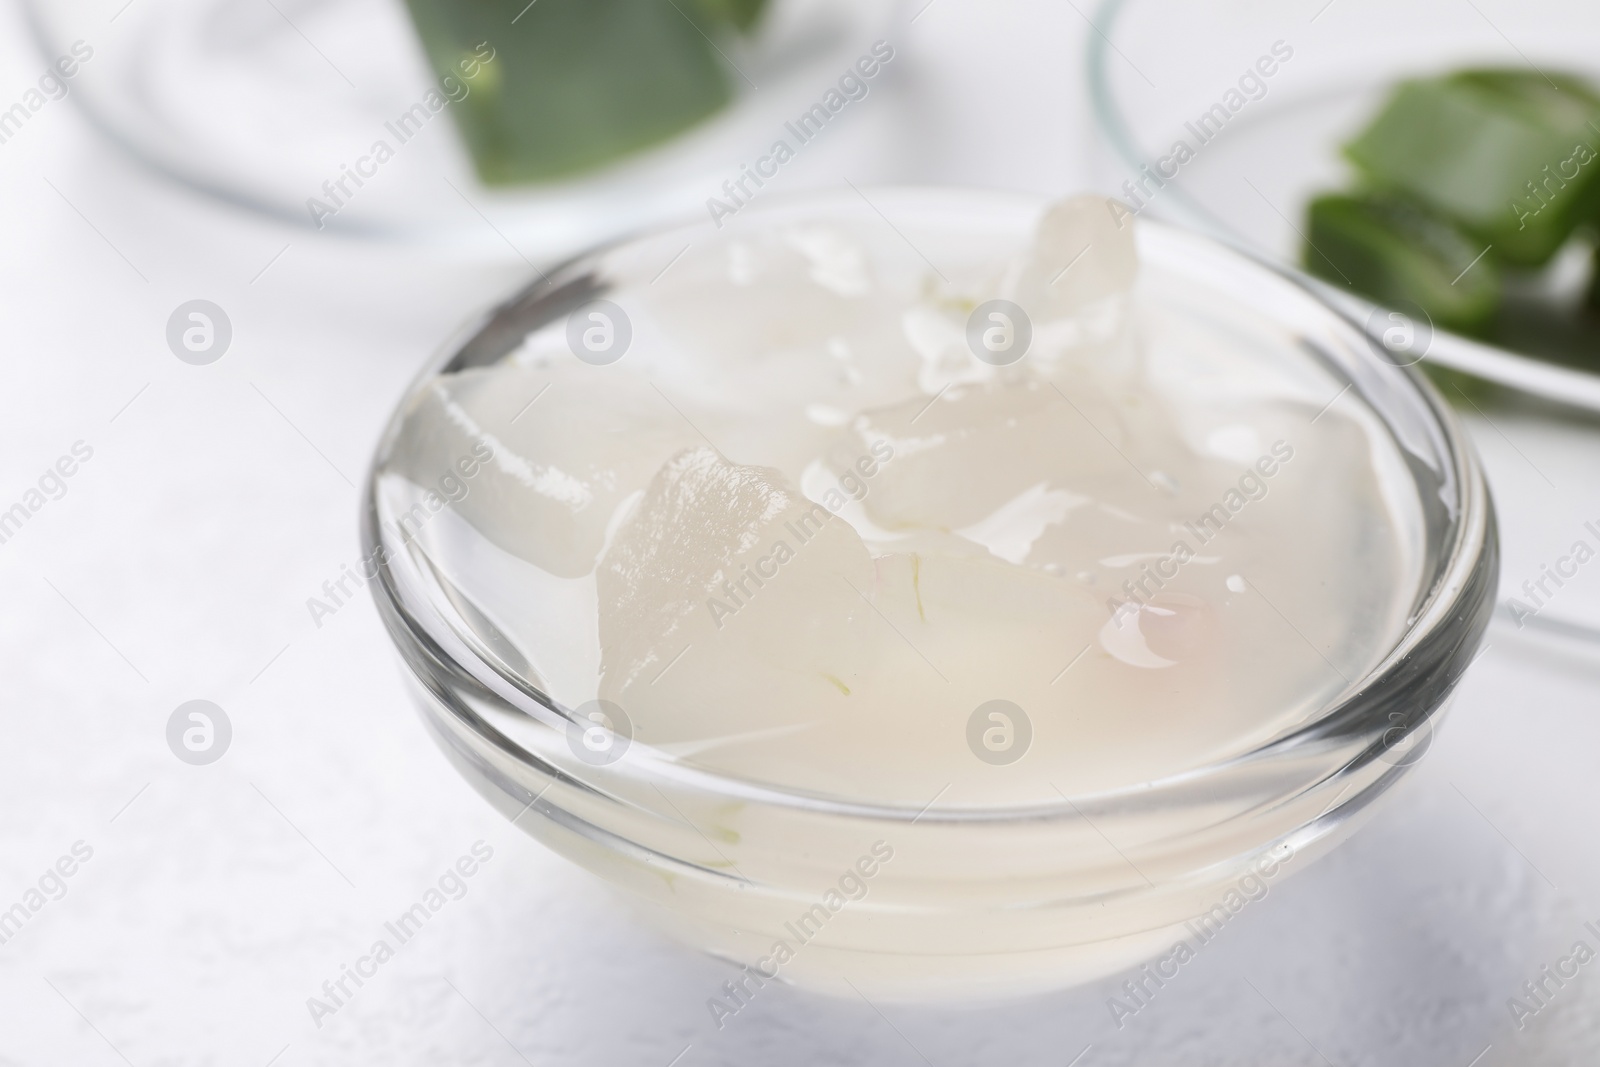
833,501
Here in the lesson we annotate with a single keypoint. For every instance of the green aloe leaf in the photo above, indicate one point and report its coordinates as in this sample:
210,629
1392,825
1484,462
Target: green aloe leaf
1509,155
572,85
1395,250
740,13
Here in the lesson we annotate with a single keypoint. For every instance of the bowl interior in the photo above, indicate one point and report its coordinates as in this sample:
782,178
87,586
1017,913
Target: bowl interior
1435,497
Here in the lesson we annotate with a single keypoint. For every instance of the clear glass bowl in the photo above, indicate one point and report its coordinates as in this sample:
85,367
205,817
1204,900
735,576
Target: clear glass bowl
257,105
1155,66
979,900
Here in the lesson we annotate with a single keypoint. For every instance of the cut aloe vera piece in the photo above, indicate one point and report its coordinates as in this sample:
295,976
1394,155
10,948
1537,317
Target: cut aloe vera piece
1591,297
1396,251
1510,155
576,84
740,13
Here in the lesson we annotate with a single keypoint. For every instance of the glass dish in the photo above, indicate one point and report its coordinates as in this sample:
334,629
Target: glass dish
257,105
1154,66
980,899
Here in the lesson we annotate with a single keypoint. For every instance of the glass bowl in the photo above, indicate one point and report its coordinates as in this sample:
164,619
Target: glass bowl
1155,67
946,898
257,105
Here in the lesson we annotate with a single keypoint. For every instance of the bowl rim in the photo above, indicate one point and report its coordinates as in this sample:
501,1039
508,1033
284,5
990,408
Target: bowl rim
1405,689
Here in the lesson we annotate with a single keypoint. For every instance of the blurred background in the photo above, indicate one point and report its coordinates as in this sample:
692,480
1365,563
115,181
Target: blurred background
235,231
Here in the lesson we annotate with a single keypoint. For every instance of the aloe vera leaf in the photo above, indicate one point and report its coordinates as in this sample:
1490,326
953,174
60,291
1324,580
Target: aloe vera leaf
1459,388
574,84
1508,155
1591,296
1394,251
742,14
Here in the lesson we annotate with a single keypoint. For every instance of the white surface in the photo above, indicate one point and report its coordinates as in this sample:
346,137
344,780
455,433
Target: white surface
222,897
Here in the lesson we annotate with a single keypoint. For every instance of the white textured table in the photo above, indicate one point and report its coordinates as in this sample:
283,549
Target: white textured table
218,899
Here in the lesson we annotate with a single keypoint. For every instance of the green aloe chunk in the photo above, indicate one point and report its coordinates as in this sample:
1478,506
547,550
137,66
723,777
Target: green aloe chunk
1509,155
1396,251
576,84
740,13
1457,386
1591,299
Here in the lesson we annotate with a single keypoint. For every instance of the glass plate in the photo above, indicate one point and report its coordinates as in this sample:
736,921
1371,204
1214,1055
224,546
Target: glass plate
1155,67
257,104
